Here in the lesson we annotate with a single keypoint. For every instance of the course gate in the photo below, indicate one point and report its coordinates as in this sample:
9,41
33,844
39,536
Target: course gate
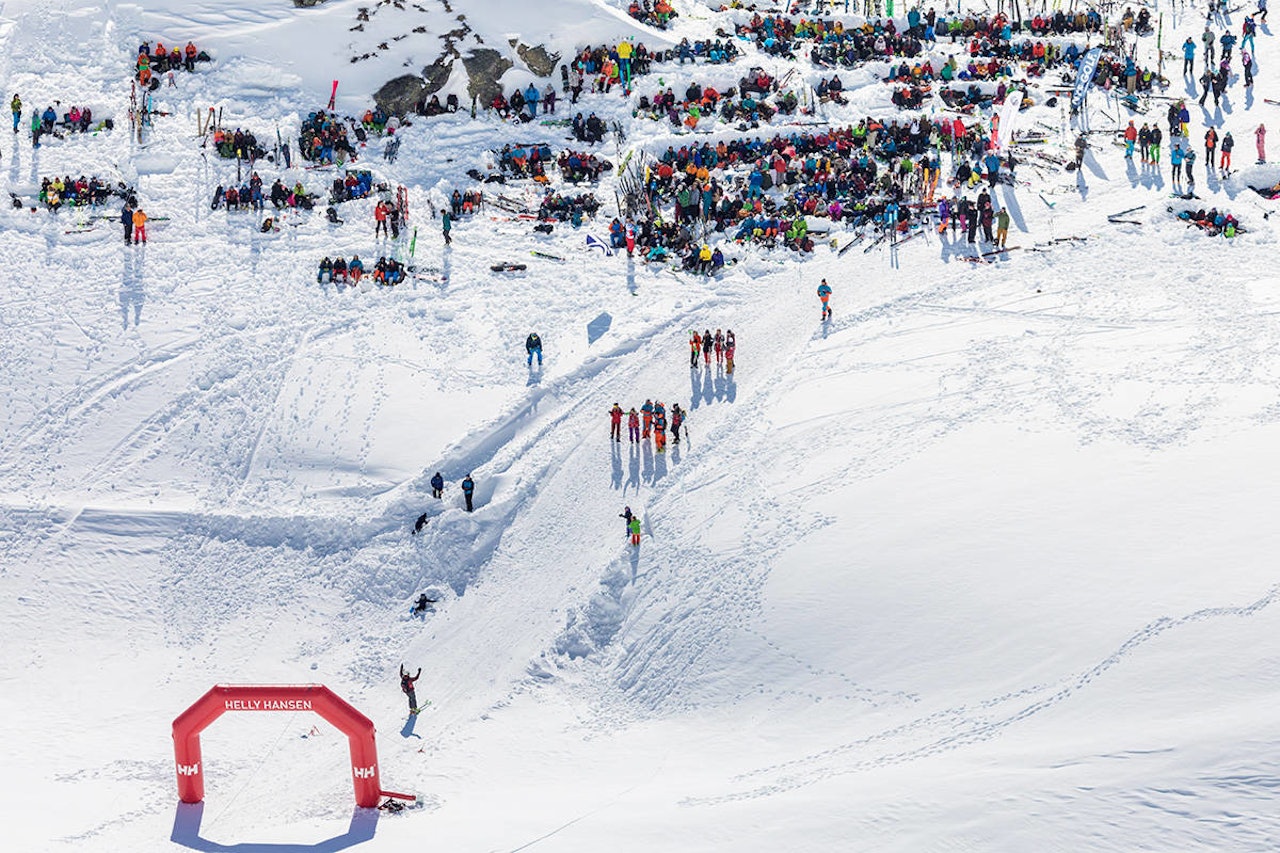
303,697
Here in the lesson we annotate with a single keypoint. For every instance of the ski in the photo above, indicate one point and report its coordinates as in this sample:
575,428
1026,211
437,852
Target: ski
508,267
333,95
1123,212
875,242
546,255
893,244
847,246
982,257
1052,204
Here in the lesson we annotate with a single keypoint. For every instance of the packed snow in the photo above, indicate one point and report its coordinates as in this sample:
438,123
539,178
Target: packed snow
983,563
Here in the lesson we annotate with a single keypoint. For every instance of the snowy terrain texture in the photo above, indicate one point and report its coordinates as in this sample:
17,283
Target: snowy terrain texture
986,563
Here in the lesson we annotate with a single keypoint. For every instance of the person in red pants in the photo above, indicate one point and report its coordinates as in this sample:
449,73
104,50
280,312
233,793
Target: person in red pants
139,226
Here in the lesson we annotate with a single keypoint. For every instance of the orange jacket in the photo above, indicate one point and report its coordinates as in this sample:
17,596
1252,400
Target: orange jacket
139,218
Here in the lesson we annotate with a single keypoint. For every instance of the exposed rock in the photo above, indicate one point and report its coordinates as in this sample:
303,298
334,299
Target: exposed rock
539,61
401,95
307,4
437,74
485,68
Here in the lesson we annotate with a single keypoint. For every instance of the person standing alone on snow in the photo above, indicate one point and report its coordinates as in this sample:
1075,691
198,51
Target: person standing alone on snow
437,486
533,346
406,685
468,489
16,106
824,293
446,225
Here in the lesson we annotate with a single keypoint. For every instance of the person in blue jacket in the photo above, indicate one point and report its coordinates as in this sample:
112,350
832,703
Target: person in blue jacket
49,119
1188,58
533,346
824,293
531,98
437,486
992,162
468,489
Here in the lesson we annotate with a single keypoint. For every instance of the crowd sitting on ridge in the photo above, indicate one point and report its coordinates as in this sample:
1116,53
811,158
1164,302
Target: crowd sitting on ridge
340,271
154,62
58,191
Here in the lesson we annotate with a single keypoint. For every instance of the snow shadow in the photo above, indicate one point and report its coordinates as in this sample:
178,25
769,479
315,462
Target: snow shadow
132,287
633,470
407,730
186,832
1010,203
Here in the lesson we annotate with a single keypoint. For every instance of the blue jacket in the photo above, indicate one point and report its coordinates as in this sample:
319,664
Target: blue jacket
1188,49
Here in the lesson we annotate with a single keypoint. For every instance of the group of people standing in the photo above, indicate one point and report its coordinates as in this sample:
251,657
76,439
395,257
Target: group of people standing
650,419
723,344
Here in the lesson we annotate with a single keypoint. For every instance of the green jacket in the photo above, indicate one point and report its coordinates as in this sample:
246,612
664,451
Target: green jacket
634,525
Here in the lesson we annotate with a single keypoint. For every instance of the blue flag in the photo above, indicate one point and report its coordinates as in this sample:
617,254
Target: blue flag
596,243
1084,79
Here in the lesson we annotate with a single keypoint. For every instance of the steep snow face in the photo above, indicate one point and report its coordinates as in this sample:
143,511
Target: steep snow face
984,563
363,43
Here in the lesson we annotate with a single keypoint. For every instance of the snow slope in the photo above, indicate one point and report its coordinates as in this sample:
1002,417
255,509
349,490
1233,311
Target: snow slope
983,564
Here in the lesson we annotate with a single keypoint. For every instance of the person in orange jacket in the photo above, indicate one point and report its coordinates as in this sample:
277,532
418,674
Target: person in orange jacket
139,226
646,412
695,347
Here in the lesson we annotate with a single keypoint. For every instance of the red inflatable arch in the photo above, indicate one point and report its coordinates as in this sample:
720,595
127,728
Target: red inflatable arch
303,697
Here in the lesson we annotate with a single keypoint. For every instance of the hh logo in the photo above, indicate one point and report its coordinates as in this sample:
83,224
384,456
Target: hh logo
188,769
363,772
